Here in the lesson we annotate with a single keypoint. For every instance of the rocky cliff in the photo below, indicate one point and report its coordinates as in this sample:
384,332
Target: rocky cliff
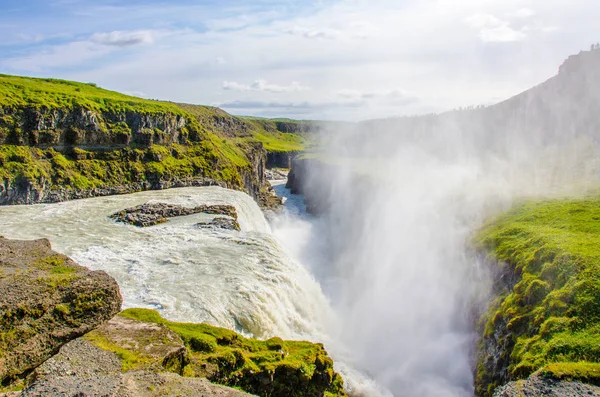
280,159
61,140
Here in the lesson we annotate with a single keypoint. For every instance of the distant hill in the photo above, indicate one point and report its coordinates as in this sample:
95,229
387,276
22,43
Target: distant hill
557,110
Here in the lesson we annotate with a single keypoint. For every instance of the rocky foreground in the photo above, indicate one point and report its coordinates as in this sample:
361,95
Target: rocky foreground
47,300
61,335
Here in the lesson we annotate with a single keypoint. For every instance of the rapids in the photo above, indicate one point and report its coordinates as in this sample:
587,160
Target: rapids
242,280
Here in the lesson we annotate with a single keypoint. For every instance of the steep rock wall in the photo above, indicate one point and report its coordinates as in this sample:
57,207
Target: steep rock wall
280,159
125,147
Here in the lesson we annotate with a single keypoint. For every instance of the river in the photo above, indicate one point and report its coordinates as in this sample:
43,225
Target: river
251,281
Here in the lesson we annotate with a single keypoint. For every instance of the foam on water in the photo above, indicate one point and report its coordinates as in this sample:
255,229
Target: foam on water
239,280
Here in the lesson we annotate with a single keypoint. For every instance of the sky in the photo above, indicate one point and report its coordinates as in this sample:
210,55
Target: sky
326,59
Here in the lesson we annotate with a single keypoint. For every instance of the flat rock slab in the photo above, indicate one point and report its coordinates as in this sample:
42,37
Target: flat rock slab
47,301
537,386
150,214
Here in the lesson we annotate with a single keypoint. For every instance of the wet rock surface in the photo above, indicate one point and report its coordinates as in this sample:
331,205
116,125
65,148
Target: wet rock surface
540,386
221,223
150,214
47,300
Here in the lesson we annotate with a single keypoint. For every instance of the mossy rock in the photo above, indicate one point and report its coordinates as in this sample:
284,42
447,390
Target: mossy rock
267,368
47,300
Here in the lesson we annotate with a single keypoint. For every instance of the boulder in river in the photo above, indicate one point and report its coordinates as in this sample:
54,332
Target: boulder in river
221,222
150,214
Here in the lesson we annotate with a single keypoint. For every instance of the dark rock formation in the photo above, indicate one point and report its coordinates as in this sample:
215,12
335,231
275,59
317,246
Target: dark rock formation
310,177
280,159
47,300
221,223
113,137
150,214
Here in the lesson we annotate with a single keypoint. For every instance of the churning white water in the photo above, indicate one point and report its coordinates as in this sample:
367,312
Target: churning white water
239,280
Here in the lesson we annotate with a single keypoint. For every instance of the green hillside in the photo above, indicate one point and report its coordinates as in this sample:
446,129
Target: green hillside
63,134
549,322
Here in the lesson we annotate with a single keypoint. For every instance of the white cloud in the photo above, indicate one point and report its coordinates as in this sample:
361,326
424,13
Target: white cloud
315,33
263,85
71,54
438,51
493,29
525,13
123,39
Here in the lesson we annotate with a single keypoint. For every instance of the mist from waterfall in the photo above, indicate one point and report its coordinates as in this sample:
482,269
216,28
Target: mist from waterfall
401,199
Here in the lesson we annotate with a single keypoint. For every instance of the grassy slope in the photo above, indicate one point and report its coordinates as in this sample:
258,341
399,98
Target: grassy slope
221,152
54,93
553,312
241,362
266,132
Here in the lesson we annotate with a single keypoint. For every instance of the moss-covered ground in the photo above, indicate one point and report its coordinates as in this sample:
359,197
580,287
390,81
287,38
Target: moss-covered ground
273,367
552,314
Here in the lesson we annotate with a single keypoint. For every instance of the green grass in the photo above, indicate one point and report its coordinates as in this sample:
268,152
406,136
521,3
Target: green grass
280,142
270,367
552,315
17,91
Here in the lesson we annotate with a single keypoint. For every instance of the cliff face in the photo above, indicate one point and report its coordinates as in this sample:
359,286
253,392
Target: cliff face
62,140
44,127
280,159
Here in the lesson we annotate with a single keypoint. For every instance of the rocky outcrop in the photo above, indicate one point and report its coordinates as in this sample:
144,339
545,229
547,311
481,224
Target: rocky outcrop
84,369
273,367
541,386
276,174
150,214
47,300
220,223
253,178
81,127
